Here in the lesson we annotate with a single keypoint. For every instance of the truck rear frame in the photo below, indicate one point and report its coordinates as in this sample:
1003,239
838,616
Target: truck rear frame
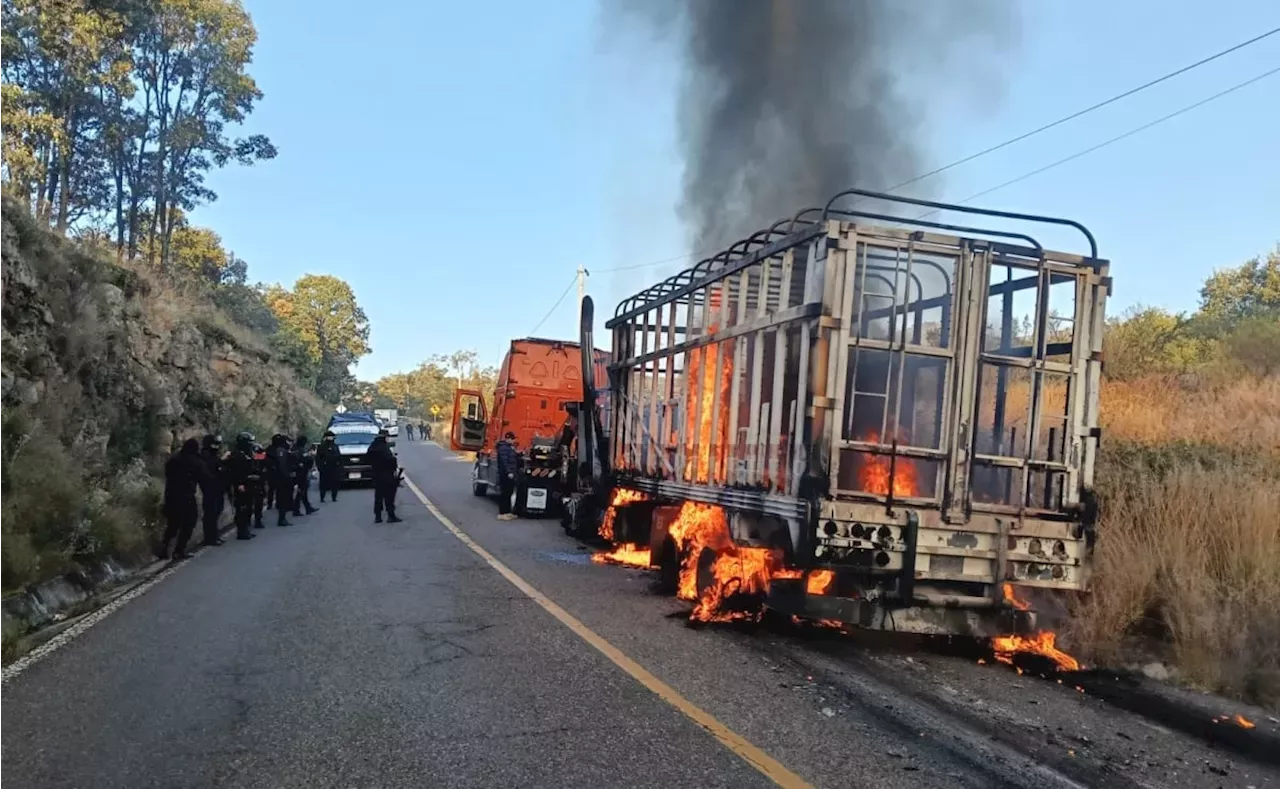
912,405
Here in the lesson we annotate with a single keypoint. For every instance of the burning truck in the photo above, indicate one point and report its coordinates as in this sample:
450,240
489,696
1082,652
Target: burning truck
856,417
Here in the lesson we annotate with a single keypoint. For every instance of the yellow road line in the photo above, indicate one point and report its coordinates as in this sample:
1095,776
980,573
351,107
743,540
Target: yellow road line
768,766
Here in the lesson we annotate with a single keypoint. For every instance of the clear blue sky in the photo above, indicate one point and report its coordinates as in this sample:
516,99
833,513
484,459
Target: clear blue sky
456,162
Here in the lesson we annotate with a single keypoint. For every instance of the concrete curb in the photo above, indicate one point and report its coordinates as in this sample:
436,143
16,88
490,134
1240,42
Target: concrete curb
97,600
1208,717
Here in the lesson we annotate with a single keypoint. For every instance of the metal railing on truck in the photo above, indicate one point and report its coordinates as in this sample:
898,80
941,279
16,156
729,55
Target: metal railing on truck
885,381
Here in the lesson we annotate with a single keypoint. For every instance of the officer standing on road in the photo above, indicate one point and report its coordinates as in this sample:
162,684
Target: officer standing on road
386,478
184,471
212,487
243,478
508,464
329,463
408,430
303,460
280,473
259,485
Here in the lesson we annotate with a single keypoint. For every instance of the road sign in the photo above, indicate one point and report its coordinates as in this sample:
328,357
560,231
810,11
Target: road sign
435,410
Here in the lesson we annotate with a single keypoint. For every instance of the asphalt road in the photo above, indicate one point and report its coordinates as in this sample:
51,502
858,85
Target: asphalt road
340,653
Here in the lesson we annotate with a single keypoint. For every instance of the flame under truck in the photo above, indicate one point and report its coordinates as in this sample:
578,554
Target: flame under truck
539,385
906,406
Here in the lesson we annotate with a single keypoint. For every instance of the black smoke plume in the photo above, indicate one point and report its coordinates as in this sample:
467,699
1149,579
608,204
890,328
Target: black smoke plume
784,103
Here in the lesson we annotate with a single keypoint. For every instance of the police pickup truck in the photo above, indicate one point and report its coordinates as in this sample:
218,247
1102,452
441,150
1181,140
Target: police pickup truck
353,433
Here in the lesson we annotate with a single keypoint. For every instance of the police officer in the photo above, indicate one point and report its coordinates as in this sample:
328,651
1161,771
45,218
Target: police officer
386,478
280,473
260,484
212,487
303,459
329,463
242,478
184,471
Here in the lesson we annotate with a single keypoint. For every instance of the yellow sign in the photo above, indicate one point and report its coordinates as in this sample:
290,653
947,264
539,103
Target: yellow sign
435,410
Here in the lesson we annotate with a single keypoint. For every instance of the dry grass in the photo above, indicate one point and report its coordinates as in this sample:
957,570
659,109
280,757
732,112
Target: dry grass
1188,556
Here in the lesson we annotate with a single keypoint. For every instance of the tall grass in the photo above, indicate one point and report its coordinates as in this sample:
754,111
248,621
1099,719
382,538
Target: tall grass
1188,555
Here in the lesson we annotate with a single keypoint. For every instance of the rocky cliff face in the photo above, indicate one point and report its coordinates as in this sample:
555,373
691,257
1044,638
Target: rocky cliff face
106,367
94,349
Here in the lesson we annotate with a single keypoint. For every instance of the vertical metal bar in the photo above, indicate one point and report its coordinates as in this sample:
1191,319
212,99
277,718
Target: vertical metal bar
902,354
757,378
699,385
641,399
735,386
718,318
1002,371
971,298
775,444
843,279
1075,434
1038,339
670,393
802,391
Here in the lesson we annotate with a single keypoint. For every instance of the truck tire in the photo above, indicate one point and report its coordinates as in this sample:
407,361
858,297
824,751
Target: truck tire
478,486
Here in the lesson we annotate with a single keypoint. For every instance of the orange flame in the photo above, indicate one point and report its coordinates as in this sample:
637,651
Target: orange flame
875,471
1042,643
621,496
1012,599
733,569
821,582
1238,720
628,554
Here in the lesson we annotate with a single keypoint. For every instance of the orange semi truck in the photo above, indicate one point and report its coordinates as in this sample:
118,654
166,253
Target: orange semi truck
537,379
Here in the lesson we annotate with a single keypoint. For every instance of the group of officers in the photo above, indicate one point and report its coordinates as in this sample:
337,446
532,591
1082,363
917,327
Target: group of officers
253,478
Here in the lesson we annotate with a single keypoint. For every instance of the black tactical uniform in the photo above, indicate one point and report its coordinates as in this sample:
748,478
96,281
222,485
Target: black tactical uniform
329,463
184,471
303,459
243,478
386,478
260,498
212,488
280,473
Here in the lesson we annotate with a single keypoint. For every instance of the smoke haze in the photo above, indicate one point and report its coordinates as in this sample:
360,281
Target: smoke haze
783,103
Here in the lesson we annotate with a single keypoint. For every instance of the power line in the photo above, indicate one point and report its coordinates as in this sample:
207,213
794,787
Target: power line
1115,139
1087,110
560,300
1025,135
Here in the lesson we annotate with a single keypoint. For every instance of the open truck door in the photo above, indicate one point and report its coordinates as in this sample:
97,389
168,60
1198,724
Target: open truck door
469,417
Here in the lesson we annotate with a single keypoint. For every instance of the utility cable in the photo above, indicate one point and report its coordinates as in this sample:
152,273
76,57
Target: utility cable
1117,138
572,282
1025,135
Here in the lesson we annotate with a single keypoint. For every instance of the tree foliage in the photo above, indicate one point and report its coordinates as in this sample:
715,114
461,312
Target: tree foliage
324,329
433,382
115,112
1237,328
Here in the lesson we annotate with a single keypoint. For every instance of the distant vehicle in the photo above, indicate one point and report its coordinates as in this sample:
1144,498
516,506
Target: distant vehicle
539,383
353,432
902,414
390,420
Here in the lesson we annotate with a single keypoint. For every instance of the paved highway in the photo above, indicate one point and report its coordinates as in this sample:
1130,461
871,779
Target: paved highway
340,653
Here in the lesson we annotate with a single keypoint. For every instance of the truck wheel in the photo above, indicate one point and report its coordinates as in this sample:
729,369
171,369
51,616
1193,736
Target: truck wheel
480,488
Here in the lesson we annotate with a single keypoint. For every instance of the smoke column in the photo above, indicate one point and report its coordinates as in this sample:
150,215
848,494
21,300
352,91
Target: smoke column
785,103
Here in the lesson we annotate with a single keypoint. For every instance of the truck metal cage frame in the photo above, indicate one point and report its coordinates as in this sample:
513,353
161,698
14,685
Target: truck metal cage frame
910,397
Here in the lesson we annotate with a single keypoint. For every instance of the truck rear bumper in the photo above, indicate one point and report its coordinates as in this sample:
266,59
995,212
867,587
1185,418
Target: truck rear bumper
942,616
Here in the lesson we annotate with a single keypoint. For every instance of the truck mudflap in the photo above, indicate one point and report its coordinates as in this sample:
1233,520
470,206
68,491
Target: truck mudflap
927,614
